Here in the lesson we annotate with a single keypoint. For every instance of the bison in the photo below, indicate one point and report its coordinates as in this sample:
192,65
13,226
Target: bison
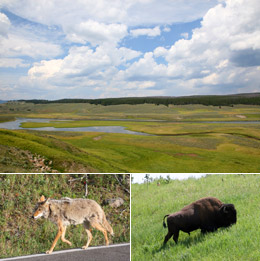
207,214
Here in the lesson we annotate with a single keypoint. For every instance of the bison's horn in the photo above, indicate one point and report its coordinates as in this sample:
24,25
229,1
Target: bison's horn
225,209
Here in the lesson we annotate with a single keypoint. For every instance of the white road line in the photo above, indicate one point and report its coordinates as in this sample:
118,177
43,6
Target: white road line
65,251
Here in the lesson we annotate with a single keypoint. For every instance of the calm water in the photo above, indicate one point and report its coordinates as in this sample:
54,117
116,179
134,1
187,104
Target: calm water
15,125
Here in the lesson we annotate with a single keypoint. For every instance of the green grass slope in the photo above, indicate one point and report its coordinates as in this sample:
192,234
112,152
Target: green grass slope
239,242
180,148
21,235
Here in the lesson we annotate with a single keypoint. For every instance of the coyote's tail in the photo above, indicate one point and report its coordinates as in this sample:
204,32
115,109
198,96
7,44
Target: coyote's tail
107,226
164,225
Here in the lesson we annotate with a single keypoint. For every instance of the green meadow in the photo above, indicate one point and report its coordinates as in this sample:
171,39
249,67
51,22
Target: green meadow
180,140
126,111
151,203
21,235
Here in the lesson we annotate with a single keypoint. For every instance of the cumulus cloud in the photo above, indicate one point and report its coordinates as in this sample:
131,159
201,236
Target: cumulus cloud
128,12
152,32
214,60
12,63
185,35
45,69
95,33
15,46
4,25
215,50
104,20
145,69
83,62
16,43
221,56
166,29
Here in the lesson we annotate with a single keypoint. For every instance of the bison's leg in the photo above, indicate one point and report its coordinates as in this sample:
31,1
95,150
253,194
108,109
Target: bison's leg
167,237
208,229
176,236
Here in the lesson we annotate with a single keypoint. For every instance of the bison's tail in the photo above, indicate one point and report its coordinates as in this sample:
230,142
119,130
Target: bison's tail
164,224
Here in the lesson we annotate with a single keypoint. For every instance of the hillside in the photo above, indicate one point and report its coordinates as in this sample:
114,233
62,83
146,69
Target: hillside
150,205
21,235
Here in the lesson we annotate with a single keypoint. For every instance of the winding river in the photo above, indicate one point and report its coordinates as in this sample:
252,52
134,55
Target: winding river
16,125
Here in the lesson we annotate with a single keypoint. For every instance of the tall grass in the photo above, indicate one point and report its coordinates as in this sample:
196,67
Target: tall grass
239,242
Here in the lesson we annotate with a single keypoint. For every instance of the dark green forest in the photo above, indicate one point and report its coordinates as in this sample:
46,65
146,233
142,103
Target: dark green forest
214,100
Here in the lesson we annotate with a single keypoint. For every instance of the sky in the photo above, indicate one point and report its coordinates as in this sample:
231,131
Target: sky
54,49
140,177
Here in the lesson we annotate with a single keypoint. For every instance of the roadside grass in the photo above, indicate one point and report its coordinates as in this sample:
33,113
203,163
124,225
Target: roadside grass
21,235
149,205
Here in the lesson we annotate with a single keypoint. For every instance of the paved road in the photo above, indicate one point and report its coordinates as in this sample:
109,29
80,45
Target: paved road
120,252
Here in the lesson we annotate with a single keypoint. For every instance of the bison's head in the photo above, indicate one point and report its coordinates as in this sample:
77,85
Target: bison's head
228,215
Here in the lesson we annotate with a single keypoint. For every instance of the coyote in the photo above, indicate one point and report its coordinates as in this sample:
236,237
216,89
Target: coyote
67,211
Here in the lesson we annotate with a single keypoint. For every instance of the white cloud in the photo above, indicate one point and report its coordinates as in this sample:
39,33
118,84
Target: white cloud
138,85
152,32
4,24
145,69
166,29
96,33
166,12
45,69
12,63
185,35
83,62
128,12
160,51
211,49
215,59
21,42
16,46
102,21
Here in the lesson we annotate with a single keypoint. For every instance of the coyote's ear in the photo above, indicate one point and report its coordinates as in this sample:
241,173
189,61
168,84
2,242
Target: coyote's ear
42,199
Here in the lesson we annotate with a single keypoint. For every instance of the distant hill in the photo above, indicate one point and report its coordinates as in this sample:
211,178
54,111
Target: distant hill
215,100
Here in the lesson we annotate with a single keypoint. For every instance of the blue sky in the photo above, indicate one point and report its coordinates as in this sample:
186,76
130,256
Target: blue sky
56,49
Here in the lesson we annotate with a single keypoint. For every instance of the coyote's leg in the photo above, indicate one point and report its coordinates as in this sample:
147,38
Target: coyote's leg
63,239
60,231
89,239
88,230
100,228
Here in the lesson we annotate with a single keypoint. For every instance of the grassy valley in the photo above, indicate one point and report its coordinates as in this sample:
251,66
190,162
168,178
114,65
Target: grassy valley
183,138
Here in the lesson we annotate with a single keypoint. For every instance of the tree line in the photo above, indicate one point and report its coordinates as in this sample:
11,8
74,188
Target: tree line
214,100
